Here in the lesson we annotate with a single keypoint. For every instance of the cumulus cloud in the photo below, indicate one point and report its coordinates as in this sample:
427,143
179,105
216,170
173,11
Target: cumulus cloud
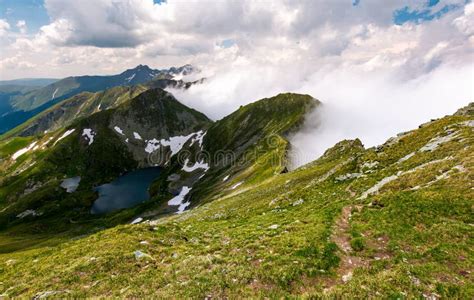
174,32
101,23
21,25
377,105
4,27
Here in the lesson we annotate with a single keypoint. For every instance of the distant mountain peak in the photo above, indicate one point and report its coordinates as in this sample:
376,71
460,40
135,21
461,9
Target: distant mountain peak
140,68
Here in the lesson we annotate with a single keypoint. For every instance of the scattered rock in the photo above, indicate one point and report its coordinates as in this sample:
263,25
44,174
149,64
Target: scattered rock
348,176
437,141
10,262
369,165
139,255
45,294
298,202
347,277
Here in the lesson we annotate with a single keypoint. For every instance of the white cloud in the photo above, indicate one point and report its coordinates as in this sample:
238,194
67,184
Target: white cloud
174,32
101,23
4,27
465,23
374,106
21,25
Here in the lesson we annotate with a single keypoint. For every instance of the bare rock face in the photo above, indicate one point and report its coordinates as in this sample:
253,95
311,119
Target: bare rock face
466,111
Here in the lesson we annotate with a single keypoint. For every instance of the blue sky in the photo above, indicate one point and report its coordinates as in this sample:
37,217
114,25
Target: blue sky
32,11
430,12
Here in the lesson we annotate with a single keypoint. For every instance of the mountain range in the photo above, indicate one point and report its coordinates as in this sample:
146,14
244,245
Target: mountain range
226,214
20,102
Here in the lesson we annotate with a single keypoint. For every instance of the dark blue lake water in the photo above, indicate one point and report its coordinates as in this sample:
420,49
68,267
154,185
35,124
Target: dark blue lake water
126,191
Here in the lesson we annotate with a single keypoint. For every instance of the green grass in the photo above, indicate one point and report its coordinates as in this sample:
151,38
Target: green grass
274,236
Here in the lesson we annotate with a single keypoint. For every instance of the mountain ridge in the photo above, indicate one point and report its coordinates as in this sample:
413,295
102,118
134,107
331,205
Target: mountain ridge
19,107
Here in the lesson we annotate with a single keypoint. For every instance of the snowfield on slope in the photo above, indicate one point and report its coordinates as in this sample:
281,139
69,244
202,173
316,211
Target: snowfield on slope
23,150
175,143
118,129
68,132
179,199
89,135
197,165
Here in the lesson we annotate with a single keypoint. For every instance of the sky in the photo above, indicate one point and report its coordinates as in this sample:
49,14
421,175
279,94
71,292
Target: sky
379,67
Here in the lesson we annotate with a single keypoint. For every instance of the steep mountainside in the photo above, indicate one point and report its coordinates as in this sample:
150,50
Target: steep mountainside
74,85
19,107
150,129
97,148
250,144
81,105
393,221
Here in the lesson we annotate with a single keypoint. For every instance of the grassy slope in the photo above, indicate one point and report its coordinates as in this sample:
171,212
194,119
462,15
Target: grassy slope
280,237
255,134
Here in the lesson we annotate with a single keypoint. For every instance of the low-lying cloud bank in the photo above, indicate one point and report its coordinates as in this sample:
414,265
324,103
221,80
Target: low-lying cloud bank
374,107
371,105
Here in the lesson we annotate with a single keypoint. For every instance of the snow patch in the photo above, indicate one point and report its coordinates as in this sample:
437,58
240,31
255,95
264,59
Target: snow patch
119,130
137,136
197,165
152,145
236,185
130,78
137,220
198,138
46,143
71,184
89,134
225,178
179,199
68,132
23,150
54,94
175,143
28,212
